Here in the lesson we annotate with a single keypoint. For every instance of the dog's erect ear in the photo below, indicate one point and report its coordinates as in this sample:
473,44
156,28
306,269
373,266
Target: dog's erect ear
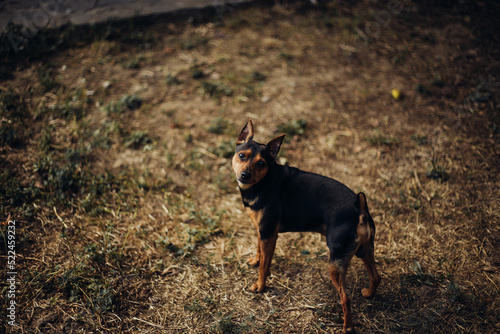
361,202
274,145
246,134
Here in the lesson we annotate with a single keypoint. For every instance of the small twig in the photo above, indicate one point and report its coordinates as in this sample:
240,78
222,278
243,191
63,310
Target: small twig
60,219
427,197
307,307
207,153
65,237
166,210
31,258
149,323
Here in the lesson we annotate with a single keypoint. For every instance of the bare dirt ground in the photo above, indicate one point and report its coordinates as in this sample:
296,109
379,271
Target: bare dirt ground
115,165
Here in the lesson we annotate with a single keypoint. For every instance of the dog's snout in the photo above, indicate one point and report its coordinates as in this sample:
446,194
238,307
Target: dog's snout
245,176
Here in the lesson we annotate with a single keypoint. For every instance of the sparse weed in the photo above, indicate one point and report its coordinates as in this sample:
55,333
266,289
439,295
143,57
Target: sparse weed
195,237
422,89
216,90
227,324
12,113
171,79
132,63
220,125
196,72
69,110
127,102
114,107
102,137
13,193
288,58
138,139
251,83
381,140
47,80
132,101
420,277
194,42
225,148
292,128
8,134
420,140
436,171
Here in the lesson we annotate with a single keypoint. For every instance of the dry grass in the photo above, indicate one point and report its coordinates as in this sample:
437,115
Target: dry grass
118,171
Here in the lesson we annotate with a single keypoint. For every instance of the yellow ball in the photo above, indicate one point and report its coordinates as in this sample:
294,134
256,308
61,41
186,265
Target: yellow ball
396,94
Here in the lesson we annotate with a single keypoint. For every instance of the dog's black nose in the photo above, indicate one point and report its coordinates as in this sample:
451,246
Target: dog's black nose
245,176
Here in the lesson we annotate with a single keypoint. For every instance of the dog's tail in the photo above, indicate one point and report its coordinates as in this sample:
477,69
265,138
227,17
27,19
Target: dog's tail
366,228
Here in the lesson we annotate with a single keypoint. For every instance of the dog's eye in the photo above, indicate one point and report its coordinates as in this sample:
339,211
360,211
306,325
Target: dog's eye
242,156
261,164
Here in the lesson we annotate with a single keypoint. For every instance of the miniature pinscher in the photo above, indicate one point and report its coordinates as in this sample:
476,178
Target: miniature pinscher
285,199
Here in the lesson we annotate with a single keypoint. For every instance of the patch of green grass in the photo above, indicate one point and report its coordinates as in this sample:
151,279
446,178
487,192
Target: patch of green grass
132,101
126,102
102,136
63,180
193,42
138,35
216,90
225,148
13,193
438,81
292,128
255,76
420,140
196,72
419,277
436,171
8,134
132,62
227,324
194,162
47,80
46,141
195,306
114,107
138,139
13,111
288,58
235,21
422,90
220,125
171,79
200,235
381,140
222,182
71,107
246,84
252,82
12,105
89,279
69,110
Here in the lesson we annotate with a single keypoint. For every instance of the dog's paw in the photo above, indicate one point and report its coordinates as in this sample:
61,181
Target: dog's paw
253,261
367,293
258,287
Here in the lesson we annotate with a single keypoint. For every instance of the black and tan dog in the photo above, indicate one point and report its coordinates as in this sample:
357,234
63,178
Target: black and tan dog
286,199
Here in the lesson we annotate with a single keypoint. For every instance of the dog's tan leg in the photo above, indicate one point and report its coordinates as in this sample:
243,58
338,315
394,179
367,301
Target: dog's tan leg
338,274
255,216
266,255
254,261
369,262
